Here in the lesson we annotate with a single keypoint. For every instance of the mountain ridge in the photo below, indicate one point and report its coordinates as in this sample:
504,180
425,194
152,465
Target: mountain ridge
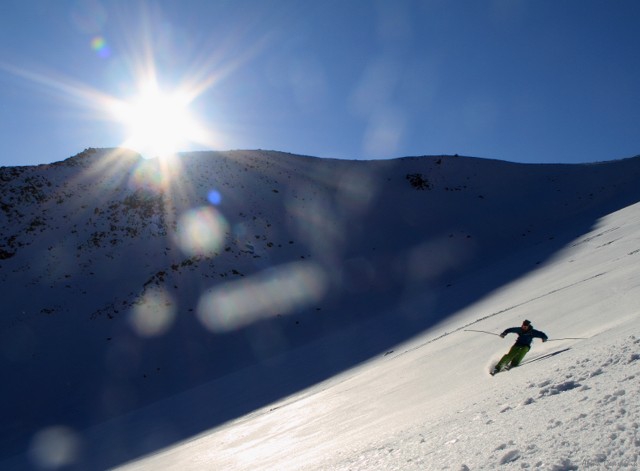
87,241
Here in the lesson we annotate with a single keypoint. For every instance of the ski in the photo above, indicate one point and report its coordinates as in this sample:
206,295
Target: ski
494,372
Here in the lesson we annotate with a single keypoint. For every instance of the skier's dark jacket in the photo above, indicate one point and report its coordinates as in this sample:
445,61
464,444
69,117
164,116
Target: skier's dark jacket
525,337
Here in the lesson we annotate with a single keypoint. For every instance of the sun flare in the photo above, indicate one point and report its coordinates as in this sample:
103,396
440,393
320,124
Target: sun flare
158,123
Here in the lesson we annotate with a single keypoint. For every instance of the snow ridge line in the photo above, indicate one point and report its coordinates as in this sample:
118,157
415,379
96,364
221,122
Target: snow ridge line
571,285
498,313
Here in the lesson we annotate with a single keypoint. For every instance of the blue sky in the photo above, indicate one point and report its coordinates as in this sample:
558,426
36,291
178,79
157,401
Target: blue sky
525,81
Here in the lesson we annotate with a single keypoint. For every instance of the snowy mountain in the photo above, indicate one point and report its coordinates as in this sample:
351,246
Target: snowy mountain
262,310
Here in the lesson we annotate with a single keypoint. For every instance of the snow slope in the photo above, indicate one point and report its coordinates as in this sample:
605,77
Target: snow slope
263,310
430,403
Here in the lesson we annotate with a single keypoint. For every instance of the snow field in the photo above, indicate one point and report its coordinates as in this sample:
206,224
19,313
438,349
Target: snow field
378,372
580,412
430,403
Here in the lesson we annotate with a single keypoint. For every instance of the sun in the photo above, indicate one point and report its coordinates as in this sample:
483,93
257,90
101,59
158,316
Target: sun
158,123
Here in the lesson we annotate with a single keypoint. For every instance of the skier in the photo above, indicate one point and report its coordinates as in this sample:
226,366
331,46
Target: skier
526,334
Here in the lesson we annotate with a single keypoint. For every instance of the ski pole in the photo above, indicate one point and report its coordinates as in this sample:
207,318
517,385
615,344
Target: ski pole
568,338
481,331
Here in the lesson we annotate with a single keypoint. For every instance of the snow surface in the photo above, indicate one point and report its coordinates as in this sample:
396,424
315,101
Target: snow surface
357,287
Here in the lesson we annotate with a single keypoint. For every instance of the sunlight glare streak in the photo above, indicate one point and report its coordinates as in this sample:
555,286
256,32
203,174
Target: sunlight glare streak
276,291
83,95
159,123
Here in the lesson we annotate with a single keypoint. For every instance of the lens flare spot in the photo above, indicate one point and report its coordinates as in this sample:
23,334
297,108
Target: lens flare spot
201,231
280,290
214,197
100,46
54,447
153,314
148,175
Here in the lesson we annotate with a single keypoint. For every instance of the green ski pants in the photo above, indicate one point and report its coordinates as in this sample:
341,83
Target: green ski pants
513,357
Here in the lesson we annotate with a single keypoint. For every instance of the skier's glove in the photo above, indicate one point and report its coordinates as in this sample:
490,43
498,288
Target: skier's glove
544,340
501,335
